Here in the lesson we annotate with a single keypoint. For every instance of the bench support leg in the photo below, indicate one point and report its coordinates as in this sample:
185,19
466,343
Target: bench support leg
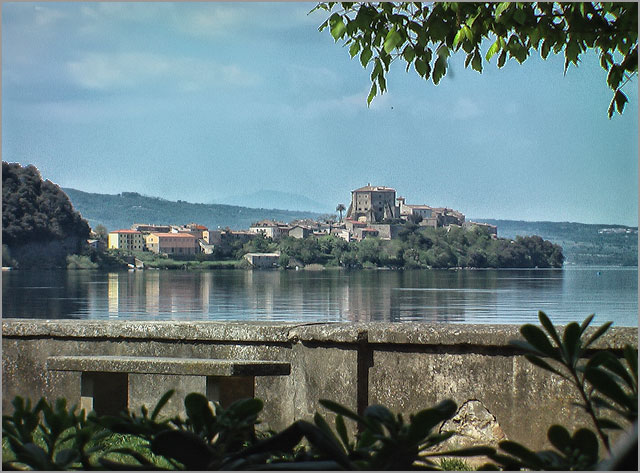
104,393
227,390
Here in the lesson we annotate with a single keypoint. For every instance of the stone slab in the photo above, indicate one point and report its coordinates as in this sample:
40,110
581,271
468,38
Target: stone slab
167,365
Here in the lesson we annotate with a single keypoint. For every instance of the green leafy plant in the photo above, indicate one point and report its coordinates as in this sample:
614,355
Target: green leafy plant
605,385
45,437
385,441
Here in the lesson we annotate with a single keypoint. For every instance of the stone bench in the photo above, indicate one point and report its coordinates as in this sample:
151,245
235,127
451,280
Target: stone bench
108,383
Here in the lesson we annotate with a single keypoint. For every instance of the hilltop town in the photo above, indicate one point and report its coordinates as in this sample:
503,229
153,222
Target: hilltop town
374,212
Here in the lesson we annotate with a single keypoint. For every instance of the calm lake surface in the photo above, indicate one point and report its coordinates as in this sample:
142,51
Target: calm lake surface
462,296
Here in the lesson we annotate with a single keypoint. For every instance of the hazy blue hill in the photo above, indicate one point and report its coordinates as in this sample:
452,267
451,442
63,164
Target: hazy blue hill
581,243
270,199
122,210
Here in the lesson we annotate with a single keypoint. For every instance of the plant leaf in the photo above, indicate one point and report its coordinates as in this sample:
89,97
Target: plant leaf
548,326
161,403
559,437
598,333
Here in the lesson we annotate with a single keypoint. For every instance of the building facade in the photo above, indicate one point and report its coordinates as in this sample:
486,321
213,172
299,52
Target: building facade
126,240
270,229
173,243
262,260
373,204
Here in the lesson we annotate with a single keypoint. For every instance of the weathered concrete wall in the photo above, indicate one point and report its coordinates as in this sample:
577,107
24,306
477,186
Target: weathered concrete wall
406,367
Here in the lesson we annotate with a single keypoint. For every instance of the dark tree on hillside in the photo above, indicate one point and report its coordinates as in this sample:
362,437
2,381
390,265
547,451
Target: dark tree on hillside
34,210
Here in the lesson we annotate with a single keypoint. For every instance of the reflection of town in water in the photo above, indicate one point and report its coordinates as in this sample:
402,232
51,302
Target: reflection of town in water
438,296
358,296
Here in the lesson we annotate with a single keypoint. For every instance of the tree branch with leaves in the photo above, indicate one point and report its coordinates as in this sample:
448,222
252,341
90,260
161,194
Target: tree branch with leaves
424,36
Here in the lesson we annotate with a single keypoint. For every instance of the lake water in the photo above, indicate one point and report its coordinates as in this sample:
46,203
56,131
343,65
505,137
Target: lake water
441,296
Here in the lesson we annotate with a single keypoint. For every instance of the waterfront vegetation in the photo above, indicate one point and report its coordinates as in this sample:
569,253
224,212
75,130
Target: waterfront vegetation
415,247
53,437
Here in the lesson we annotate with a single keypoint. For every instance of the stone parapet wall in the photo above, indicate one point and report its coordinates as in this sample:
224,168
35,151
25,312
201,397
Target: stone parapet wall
405,366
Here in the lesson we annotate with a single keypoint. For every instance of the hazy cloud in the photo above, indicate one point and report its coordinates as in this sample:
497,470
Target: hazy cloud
465,108
104,71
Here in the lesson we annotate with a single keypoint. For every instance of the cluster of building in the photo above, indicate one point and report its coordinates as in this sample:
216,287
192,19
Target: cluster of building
374,211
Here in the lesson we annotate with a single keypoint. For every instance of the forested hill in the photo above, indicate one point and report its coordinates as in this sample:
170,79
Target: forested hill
584,244
123,210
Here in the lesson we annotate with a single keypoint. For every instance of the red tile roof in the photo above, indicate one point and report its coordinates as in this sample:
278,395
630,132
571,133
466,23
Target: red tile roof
174,235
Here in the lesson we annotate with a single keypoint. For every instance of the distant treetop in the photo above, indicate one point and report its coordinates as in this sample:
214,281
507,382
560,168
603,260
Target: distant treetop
36,210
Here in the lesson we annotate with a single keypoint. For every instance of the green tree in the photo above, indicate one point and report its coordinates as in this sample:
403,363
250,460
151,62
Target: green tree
101,232
340,208
425,35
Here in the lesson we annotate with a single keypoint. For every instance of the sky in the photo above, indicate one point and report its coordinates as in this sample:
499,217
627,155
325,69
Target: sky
205,101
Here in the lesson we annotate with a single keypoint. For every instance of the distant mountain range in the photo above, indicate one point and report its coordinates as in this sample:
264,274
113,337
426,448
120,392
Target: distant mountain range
591,244
270,199
123,210
582,243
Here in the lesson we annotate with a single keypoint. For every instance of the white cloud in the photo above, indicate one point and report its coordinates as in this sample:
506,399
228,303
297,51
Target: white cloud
105,71
465,108
45,16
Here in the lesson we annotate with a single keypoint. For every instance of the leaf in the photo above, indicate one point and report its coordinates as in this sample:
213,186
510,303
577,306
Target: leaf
340,409
365,56
571,343
631,355
501,8
341,429
324,426
393,39
161,403
439,70
611,107
598,333
421,67
199,412
66,457
585,323
495,47
427,419
544,365
460,35
614,77
604,383
408,54
325,444
381,414
372,94
546,48
519,16
185,447
605,423
620,99
530,459
354,49
476,62
337,29
587,442
502,58
539,340
610,362
559,437
245,409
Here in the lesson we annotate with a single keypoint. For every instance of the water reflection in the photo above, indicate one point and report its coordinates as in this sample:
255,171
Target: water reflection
491,296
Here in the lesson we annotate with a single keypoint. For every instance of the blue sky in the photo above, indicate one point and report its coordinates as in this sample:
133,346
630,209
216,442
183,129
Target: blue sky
203,101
